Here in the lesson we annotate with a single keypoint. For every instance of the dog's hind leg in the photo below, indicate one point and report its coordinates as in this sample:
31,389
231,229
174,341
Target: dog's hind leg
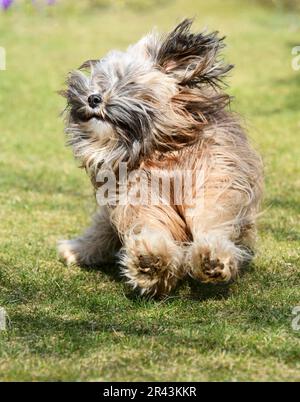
98,244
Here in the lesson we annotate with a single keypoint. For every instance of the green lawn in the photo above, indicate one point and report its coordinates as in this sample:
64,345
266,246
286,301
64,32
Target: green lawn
75,324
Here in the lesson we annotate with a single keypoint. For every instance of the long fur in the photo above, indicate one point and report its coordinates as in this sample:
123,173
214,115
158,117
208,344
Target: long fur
164,107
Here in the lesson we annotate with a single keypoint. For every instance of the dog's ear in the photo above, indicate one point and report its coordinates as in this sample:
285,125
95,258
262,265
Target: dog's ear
88,64
193,58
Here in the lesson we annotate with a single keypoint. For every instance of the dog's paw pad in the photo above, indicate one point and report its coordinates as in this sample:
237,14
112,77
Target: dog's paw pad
149,264
209,269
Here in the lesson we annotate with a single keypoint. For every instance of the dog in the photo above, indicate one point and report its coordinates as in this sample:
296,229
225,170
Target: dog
161,106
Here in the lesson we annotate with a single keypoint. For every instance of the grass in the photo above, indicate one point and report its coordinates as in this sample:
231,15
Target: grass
74,324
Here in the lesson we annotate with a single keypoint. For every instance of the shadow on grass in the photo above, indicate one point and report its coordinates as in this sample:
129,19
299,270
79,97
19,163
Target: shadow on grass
110,269
202,292
48,331
46,335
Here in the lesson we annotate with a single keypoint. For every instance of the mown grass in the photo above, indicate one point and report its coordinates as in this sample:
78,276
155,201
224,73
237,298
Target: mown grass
74,324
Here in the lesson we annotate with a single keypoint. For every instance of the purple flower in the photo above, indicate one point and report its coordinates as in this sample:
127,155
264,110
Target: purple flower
47,2
5,4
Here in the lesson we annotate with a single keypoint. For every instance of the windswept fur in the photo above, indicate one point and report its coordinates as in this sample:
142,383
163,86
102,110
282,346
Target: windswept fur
164,107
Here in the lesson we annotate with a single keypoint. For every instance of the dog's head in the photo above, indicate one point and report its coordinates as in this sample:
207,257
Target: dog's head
156,96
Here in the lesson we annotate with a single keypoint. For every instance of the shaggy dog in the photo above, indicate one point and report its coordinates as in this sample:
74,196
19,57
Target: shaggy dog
160,107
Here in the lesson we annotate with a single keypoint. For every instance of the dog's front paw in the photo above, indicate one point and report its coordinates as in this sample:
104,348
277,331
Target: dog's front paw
152,274
68,251
152,264
211,266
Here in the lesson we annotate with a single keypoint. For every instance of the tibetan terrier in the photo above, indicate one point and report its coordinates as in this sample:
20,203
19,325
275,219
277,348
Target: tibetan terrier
159,109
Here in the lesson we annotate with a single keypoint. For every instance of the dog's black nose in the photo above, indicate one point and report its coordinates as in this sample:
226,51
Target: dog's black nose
94,100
